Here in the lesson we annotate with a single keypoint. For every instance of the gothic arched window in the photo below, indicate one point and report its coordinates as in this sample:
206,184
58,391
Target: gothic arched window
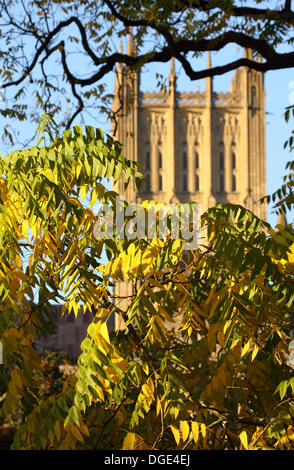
221,183
221,161
147,162
197,183
253,100
185,183
234,183
160,183
196,160
233,161
159,160
185,161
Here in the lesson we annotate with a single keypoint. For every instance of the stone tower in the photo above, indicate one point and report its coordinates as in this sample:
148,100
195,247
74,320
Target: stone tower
206,147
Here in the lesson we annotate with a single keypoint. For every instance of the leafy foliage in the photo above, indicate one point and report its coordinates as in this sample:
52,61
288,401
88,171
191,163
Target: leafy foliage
202,361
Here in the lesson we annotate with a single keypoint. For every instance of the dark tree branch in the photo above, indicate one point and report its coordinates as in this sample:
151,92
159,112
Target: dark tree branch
174,48
45,44
79,108
36,307
255,13
287,5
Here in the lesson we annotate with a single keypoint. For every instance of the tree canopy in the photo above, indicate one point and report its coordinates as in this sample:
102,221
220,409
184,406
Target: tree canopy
205,359
61,53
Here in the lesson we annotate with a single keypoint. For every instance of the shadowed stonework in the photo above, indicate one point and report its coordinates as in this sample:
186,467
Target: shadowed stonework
69,332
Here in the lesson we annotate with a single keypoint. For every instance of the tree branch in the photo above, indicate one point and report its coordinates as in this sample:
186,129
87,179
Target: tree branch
256,13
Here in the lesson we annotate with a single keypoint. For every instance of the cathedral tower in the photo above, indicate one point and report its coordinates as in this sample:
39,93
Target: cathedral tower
206,147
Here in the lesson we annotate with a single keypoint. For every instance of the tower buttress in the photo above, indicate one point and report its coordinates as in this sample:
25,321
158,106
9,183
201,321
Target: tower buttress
209,83
127,84
171,117
117,99
208,134
255,109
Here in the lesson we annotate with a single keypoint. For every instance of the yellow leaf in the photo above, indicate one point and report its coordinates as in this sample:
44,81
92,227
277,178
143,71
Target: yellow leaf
100,268
129,441
227,325
203,430
25,226
94,197
254,352
177,246
121,363
83,191
100,392
157,242
154,282
209,298
195,431
107,268
212,235
176,412
103,330
136,262
246,347
234,343
102,313
116,266
185,428
148,259
158,406
243,439
106,384
131,249
176,433
150,385
126,261
213,307
290,257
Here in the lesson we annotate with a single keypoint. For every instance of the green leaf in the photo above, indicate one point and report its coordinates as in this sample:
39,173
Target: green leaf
73,415
283,388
